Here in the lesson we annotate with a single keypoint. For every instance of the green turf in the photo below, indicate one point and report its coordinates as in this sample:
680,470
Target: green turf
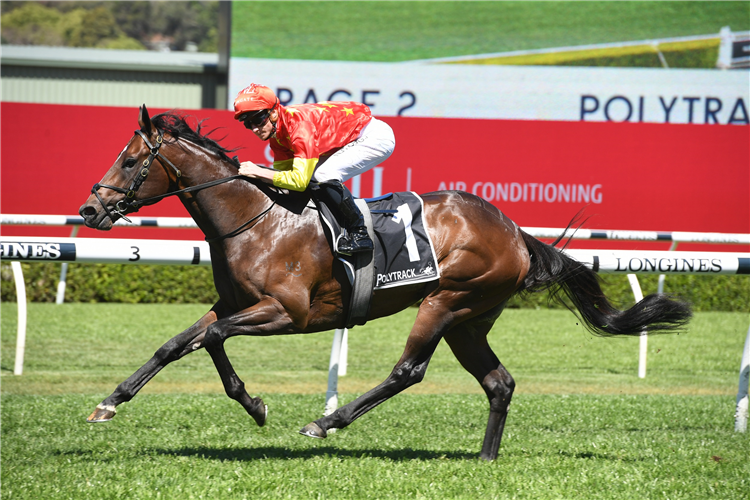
415,446
582,424
90,348
400,31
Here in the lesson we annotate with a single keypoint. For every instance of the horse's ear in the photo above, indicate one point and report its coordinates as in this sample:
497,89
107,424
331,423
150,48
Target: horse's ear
144,121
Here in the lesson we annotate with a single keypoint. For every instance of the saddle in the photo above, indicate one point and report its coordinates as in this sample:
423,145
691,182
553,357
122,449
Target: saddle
403,251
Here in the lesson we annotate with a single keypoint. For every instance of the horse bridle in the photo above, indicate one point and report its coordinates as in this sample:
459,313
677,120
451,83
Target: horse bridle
130,204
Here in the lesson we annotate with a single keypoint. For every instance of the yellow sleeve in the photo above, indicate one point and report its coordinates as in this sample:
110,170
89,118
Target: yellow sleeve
283,164
294,174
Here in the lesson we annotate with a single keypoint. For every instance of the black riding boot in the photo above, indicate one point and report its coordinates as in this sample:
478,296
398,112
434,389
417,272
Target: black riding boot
346,211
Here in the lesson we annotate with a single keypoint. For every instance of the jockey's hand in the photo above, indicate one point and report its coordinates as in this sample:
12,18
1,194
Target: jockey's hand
253,171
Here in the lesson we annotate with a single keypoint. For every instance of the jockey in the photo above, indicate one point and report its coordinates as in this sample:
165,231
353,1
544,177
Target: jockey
326,142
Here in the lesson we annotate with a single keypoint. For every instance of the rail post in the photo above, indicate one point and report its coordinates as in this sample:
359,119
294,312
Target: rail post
21,331
740,416
643,351
62,284
332,395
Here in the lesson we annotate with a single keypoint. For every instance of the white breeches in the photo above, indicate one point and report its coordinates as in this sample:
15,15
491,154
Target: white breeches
373,146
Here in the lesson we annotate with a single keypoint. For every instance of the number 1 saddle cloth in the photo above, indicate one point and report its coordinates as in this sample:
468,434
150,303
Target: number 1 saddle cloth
403,254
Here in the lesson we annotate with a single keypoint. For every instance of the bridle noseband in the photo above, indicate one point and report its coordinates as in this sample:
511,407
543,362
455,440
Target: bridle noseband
130,204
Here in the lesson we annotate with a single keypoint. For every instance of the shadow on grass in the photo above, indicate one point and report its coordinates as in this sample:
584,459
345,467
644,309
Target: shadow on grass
588,455
279,453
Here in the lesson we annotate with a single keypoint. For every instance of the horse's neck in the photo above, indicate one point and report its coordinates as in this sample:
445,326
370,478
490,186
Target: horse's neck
222,208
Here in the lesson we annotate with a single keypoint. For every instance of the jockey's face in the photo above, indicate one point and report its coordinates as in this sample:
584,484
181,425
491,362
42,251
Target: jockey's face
265,131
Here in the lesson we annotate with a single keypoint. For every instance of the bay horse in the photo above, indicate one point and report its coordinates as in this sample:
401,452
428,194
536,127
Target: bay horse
254,230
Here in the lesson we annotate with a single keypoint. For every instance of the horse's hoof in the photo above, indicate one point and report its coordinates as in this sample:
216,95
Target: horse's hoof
260,419
257,409
103,413
313,430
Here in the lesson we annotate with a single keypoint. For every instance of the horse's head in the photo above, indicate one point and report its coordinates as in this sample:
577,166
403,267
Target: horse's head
124,189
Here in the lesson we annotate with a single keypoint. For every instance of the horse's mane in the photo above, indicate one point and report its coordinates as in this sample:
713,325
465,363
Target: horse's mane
177,127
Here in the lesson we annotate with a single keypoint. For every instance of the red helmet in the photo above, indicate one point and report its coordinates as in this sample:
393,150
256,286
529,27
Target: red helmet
254,98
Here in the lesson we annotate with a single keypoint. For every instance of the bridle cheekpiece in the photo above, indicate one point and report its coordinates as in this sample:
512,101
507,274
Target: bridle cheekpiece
129,204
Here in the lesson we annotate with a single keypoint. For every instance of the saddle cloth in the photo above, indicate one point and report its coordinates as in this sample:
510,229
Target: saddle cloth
403,253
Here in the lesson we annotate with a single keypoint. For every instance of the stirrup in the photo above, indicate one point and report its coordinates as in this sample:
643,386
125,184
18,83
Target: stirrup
355,242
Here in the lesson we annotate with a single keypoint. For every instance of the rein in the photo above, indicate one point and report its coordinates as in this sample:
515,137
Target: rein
130,204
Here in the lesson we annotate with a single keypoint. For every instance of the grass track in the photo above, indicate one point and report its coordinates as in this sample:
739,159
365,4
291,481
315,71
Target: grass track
400,31
414,446
582,425
66,355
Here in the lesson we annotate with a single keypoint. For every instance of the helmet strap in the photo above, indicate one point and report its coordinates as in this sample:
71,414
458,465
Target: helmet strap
273,133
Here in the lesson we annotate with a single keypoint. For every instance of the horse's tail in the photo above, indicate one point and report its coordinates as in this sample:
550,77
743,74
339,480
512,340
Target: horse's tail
552,270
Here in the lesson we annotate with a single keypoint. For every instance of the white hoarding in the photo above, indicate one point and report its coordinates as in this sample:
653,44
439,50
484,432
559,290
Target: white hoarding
420,89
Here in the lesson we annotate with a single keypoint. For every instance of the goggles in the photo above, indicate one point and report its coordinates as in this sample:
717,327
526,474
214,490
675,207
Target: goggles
255,119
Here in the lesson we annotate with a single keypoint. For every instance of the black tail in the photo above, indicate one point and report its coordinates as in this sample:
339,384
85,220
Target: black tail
553,271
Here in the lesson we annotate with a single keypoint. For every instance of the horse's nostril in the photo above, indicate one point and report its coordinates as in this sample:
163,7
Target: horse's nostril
87,211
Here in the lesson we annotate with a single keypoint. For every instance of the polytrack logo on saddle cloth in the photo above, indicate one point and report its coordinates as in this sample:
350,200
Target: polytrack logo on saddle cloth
404,253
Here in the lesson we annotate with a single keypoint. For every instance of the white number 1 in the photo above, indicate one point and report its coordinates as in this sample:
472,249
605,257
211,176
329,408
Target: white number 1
404,214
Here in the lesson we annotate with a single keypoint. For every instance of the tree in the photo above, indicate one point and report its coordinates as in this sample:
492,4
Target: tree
31,24
96,26
121,24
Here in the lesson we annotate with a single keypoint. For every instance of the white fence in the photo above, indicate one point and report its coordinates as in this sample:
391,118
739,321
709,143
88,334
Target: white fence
175,252
537,232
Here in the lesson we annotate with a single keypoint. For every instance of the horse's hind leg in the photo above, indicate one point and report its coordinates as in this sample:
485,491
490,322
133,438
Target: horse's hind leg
177,347
410,369
469,344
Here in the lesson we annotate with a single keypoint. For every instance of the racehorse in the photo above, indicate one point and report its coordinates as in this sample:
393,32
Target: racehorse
254,230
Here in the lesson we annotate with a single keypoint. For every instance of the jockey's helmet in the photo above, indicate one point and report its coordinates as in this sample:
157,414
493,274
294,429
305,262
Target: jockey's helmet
254,98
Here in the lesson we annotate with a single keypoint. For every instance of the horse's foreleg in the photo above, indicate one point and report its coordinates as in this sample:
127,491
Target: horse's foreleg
469,344
177,347
234,387
265,317
410,369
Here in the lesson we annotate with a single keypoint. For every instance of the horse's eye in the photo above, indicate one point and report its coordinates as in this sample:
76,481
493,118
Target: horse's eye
128,163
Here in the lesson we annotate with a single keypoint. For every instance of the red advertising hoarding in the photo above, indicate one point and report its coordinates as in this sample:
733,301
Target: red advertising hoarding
630,176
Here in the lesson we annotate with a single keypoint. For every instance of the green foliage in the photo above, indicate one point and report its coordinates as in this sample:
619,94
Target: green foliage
122,42
114,283
179,22
95,26
116,25
705,293
135,18
194,21
191,284
32,24
89,25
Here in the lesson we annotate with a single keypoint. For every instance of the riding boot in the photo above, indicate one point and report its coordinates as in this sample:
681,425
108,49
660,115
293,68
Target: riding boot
347,213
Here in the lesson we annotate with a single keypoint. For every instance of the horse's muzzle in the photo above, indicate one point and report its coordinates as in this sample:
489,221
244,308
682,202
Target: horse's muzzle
95,217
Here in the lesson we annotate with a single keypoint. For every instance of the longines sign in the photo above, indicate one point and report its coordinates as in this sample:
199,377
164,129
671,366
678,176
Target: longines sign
632,262
105,250
19,250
